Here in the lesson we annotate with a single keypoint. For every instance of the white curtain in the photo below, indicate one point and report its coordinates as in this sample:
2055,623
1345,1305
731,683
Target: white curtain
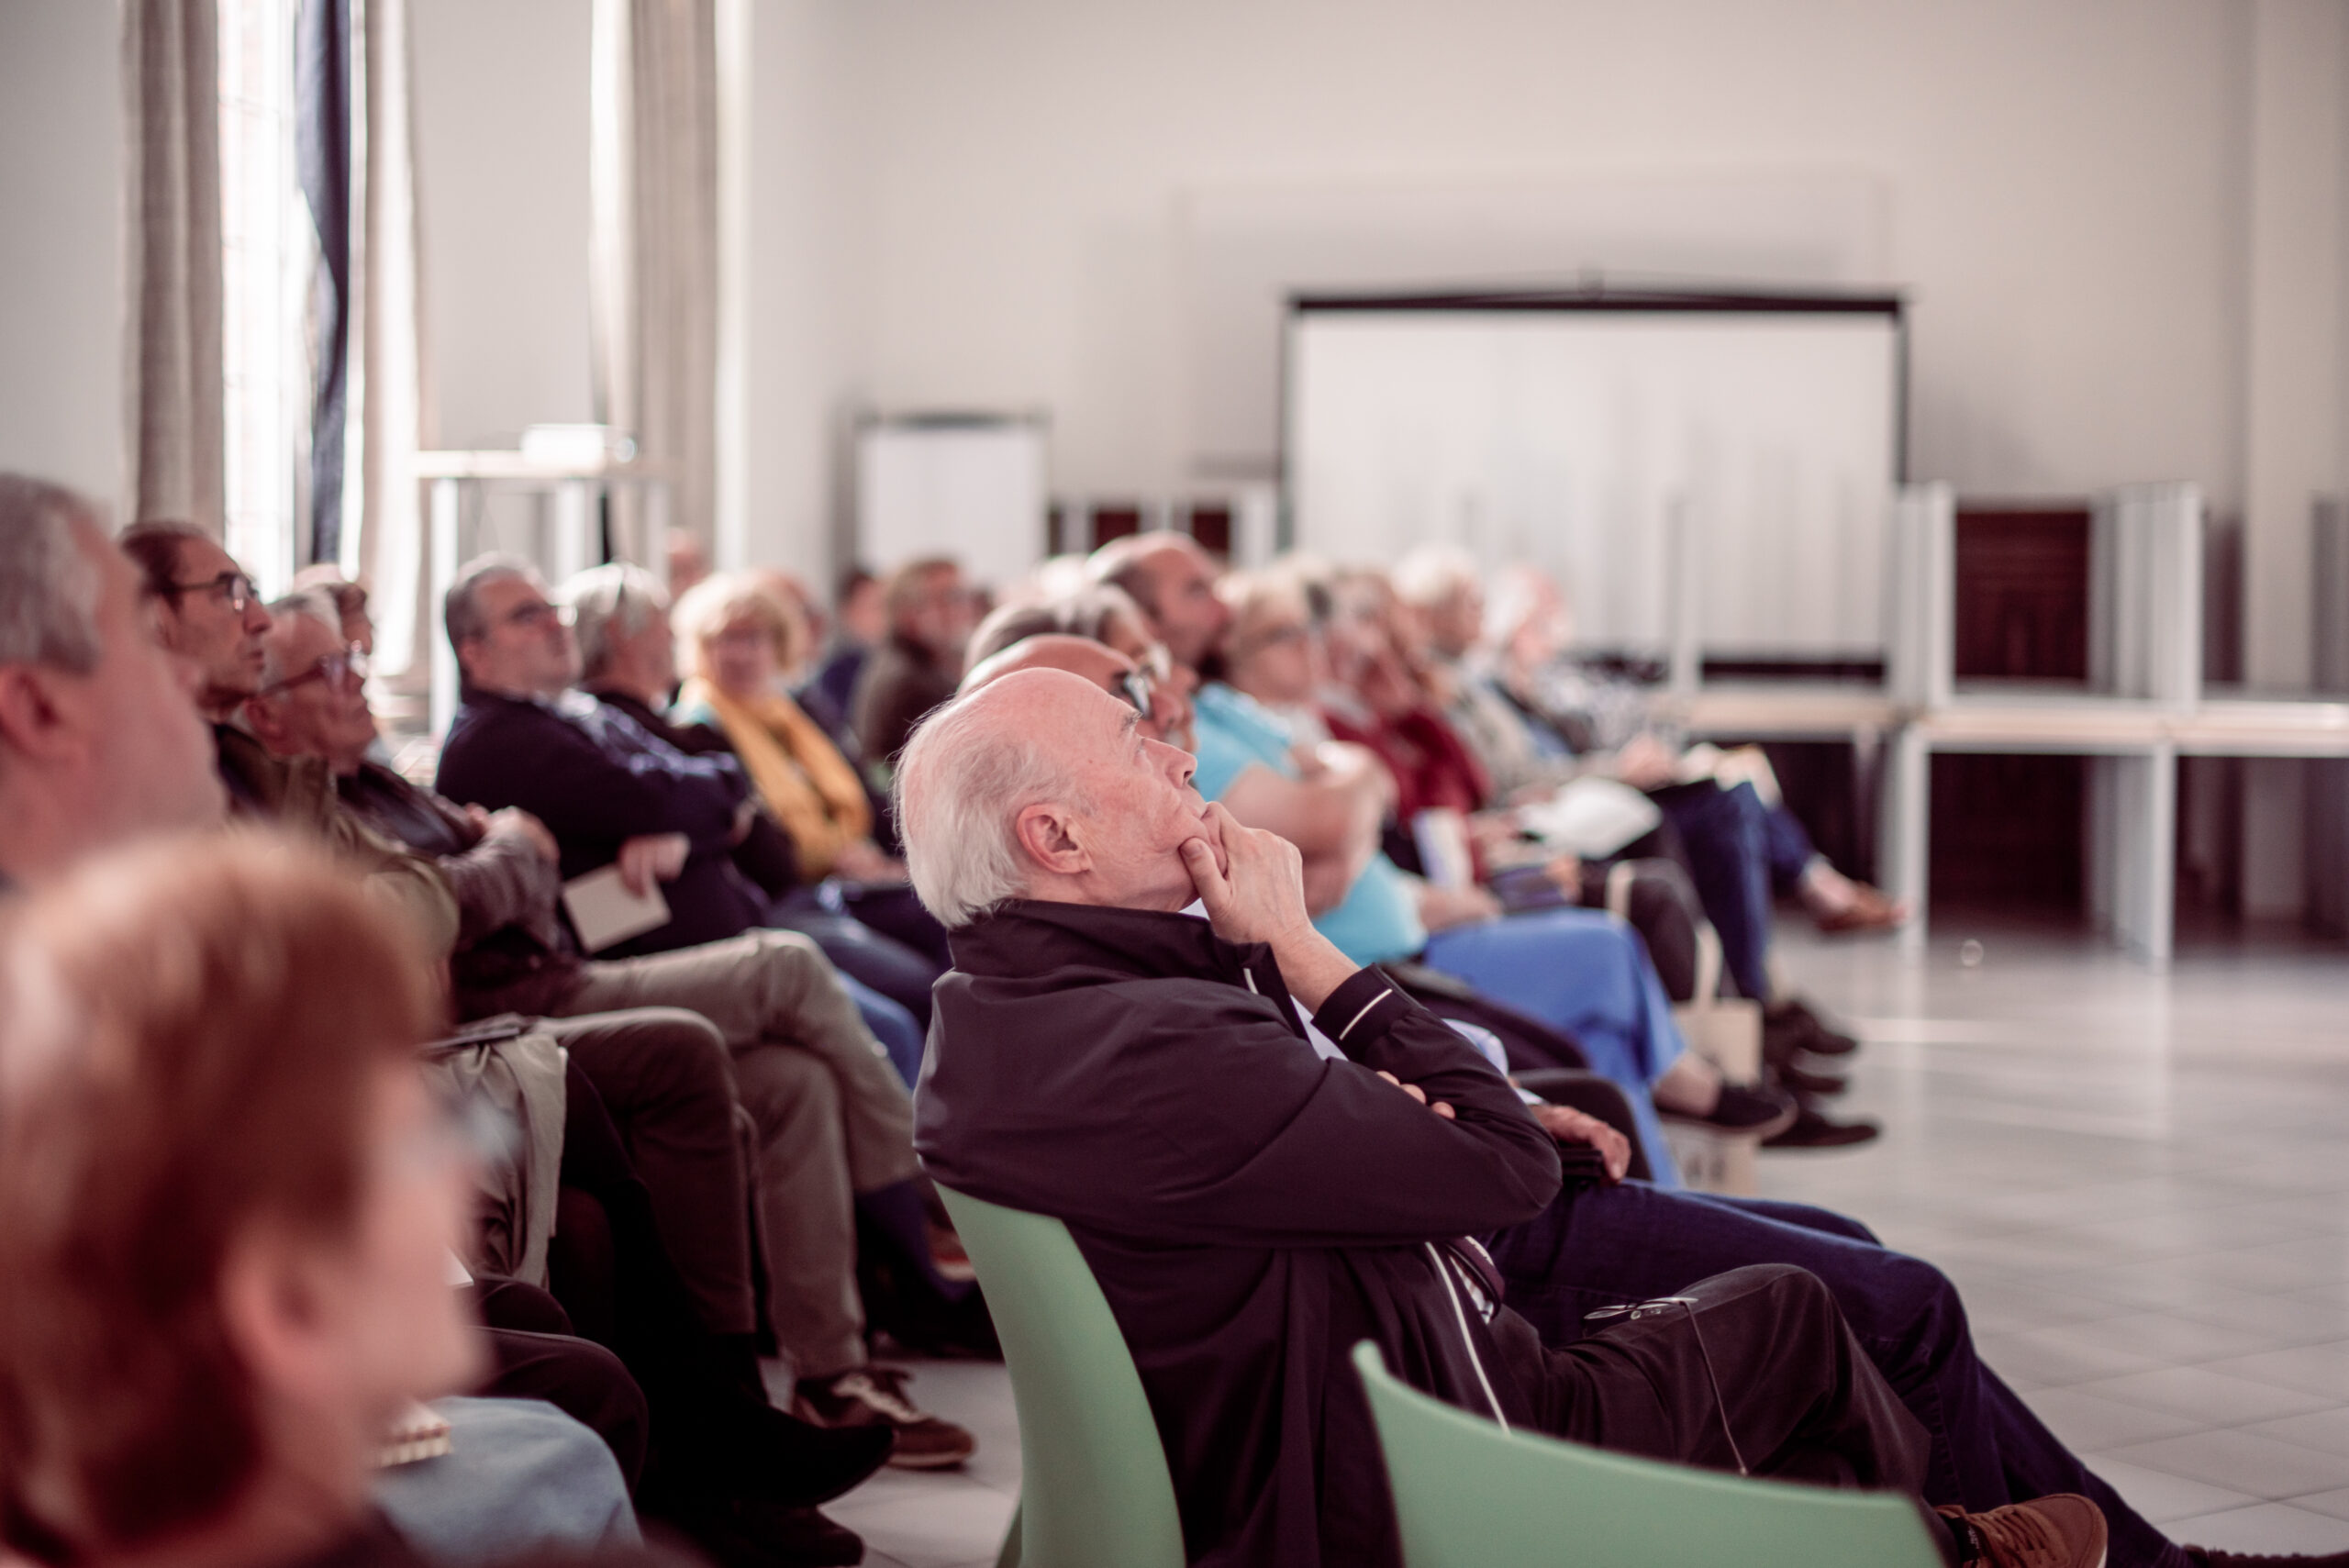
655,267
388,419
173,345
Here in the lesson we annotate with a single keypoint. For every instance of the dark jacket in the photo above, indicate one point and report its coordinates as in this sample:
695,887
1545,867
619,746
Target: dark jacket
1251,1209
298,793
597,779
900,682
765,854
515,952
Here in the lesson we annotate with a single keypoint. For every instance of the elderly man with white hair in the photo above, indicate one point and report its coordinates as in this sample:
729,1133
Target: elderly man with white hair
1252,1208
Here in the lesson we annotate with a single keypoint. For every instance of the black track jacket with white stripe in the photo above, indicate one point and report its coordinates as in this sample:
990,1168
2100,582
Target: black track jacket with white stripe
1250,1210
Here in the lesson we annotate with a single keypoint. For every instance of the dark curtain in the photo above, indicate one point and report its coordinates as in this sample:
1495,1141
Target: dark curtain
322,149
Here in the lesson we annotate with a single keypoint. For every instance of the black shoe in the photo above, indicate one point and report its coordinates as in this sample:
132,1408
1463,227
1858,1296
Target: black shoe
1760,1110
761,1455
737,1534
1802,1080
2211,1557
1791,1026
1812,1130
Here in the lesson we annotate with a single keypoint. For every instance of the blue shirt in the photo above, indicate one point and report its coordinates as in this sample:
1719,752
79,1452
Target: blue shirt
1377,921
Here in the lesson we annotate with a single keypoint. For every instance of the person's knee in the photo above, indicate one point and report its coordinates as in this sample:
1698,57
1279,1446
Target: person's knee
788,1093
1793,1291
685,1052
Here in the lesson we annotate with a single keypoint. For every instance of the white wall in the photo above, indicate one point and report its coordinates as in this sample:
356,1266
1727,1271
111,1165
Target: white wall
806,301
2063,190
60,242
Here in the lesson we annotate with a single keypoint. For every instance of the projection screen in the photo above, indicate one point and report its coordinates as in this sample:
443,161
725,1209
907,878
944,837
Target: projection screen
1751,444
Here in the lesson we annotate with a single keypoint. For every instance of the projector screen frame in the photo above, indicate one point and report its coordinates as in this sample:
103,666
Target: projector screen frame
1595,299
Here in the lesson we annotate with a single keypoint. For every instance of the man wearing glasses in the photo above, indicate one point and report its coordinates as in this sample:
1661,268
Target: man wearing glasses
207,613
835,1123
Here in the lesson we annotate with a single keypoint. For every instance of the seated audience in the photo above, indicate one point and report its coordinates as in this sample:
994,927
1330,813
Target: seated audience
1539,718
663,1072
661,1068
206,609
64,801
628,662
100,743
835,1122
930,609
1579,971
226,1210
1604,1240
1377,697
1236,1199
737,641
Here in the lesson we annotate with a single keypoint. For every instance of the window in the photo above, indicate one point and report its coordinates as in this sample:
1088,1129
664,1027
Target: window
268,258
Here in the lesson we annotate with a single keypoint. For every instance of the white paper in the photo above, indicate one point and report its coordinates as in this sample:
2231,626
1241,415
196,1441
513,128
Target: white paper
604,912
1591,817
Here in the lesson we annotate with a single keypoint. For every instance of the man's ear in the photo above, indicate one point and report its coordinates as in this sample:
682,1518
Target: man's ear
1053,841
261,718
39,717
277,1311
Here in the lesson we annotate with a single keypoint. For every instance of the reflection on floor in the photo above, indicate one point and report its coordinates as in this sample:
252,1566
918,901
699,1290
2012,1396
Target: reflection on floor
2136,1180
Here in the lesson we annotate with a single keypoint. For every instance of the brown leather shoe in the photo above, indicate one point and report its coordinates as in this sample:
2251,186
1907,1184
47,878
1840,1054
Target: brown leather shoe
1869,910
2062,1530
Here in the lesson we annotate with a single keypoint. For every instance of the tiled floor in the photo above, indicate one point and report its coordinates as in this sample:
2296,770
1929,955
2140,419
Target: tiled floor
2137,1181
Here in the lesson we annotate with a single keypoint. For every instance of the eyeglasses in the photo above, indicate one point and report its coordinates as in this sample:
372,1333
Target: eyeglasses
539,616
235,590
1137,687
343,671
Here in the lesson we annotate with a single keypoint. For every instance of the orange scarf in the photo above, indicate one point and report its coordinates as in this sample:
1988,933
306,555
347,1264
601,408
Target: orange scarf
801,775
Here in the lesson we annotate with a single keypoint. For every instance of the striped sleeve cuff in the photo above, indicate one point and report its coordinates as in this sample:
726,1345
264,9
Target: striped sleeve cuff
1360,1009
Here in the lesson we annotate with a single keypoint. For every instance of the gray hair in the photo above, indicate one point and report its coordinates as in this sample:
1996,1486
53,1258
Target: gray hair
461,606
313,604
962,784
49,585
1086,614
612,601
1432,573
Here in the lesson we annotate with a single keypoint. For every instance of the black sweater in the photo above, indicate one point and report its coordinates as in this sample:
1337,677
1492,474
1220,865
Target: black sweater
597,779
1251,1209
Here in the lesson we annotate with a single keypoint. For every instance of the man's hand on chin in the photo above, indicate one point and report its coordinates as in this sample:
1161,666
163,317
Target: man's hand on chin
1252,884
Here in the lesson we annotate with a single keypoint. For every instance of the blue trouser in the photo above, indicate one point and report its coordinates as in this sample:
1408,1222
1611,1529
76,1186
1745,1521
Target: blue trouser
1588,974
1600,1247
898,971
1740,850
891,1024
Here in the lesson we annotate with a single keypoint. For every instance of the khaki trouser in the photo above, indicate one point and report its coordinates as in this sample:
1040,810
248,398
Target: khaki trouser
833,1119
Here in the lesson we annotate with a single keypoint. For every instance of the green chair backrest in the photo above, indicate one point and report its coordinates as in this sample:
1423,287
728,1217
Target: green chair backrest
1094,1489
1469,1495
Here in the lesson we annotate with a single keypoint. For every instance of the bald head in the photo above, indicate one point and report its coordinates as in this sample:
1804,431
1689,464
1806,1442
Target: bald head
1038,783
1165,715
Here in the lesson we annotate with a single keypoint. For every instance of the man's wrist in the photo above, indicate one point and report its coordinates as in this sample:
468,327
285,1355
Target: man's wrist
1311,964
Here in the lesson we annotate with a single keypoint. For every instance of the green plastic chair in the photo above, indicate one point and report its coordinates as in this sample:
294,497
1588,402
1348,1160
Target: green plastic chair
1095,1491
1469,1495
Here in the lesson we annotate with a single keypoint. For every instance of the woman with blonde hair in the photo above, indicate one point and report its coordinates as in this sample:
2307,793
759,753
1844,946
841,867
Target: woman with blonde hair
736,639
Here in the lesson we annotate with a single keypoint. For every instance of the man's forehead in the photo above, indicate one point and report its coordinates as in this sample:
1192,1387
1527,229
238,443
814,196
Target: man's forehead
304,635
515,587
201,557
